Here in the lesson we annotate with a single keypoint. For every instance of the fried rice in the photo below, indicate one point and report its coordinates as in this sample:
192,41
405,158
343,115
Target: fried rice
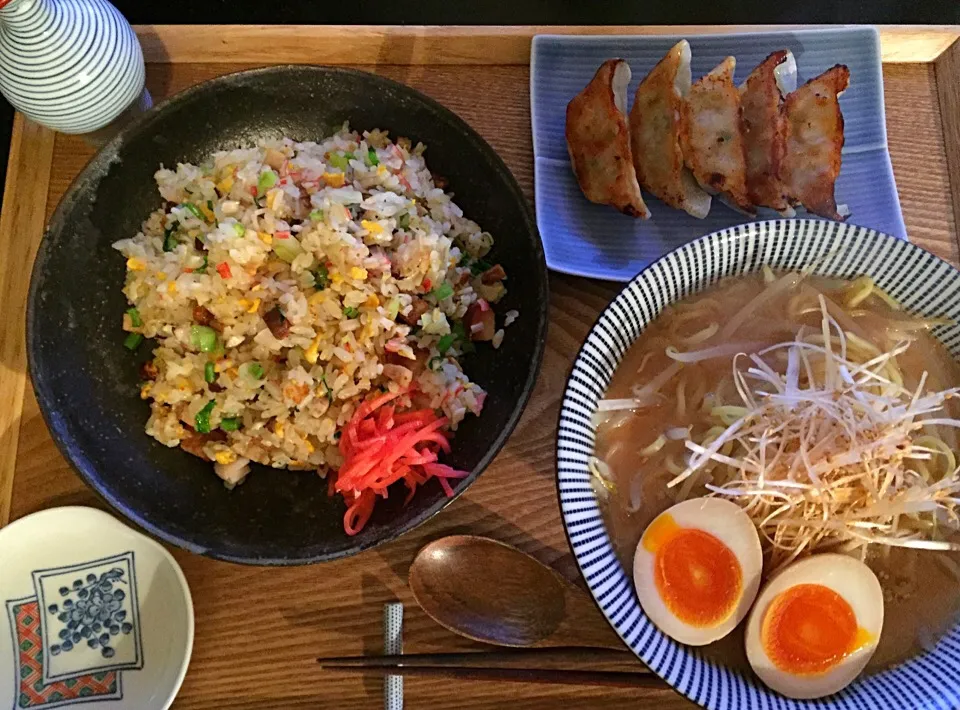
287,283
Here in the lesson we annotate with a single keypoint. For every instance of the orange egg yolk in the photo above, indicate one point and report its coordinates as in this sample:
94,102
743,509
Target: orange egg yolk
809,628
698,577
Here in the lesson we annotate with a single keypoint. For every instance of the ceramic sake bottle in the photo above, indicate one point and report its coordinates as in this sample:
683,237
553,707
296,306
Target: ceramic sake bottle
72,65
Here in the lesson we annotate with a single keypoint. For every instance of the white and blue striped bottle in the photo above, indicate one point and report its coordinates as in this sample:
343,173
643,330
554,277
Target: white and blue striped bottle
71,65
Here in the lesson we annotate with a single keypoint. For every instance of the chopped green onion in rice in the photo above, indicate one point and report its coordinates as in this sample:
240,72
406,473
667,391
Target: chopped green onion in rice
371,264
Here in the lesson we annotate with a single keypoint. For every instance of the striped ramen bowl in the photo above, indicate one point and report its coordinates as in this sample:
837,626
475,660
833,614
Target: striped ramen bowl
922,282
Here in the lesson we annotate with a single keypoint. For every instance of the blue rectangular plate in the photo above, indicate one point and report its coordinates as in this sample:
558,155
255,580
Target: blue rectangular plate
595,240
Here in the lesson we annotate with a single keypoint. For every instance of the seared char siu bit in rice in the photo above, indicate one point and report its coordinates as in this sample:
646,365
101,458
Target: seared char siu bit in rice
310,304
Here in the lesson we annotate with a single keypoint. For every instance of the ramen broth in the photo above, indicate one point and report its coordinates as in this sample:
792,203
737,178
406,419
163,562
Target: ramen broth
644,448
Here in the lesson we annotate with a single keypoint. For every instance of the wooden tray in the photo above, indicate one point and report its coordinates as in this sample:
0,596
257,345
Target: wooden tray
258,630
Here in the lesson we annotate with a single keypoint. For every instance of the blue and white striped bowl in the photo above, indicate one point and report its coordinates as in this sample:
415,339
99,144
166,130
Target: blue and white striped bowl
71,65
916,278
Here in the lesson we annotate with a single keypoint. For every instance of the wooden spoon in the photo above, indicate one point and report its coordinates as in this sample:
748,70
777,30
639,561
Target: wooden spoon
492,592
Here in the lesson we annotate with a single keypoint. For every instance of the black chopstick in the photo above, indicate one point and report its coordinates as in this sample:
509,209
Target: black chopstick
480,665
512,675
559,654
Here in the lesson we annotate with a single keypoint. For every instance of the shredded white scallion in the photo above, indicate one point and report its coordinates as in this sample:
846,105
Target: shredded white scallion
827,447
601,477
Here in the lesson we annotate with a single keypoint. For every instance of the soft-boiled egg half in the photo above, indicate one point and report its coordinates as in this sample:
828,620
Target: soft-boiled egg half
697,569
815,625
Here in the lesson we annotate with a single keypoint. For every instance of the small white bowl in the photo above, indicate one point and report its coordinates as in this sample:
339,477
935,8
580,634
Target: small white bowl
91,613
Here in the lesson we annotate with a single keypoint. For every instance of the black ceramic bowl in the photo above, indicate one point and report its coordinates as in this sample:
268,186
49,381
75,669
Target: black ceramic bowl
87,383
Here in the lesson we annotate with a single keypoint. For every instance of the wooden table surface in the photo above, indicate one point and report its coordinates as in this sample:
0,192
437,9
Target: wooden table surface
259,630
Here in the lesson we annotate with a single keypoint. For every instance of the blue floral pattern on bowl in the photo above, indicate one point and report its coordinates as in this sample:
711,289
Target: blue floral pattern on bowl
95,614
90,617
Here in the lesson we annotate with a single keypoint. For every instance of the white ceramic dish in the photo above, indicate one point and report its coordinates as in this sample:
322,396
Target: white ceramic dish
92,613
